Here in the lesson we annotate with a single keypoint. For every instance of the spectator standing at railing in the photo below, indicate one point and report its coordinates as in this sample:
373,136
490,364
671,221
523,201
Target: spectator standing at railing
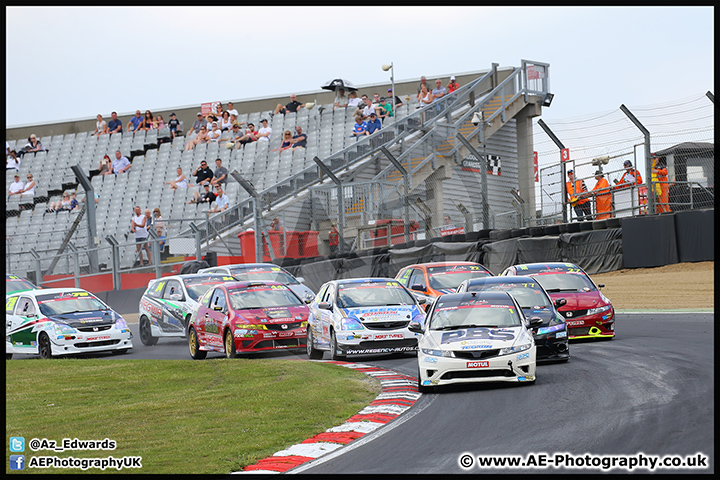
439,91
660,185
631,175
425,97
139,228
100,126
423,83
333,238
115,124
136,122
452,85
603,197
580,204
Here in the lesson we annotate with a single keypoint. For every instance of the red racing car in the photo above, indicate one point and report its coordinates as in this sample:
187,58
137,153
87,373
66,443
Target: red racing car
588,313
247,317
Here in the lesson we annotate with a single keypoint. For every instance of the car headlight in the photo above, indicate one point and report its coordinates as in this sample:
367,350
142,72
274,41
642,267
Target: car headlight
64,329
351,324
554,328
438,353
121,324
593,311
515,349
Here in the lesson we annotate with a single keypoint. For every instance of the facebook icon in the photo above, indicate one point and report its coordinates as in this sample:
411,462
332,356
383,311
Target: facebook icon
17,462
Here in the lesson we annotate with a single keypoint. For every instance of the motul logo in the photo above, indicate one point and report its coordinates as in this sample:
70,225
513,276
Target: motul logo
478,364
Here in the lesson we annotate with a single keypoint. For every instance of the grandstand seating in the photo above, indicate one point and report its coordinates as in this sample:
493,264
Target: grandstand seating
154,160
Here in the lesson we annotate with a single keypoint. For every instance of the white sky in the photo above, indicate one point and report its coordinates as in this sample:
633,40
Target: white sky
75,62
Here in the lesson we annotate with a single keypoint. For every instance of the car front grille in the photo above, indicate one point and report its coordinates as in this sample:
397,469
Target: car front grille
104,343
385,325
574,313
100,328
476,354
481,373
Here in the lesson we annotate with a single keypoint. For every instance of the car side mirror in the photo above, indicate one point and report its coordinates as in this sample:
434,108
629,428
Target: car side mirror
300,279
218,308
325,306
535,322
418,287
415,327
560,302
421,300
601,285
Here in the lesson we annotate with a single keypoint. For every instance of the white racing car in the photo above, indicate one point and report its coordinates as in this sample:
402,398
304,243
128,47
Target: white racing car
362,315
168,302
62,321
475,337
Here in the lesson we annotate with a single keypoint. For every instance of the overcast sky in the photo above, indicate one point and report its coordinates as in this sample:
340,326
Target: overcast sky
75,62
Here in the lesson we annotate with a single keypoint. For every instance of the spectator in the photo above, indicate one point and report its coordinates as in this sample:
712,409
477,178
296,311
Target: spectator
661,188
287,140
576,198
105,167
179,182
203,176
373,124
100,126
249,136
222,202
206,197
12,161
234,120
299,140
341,101
452,85
221,174
425,97
353,100
231,110
368,109
159,122
32,146
201,137
235,132
16,187
159,222
265,132
148,220
292,106
74,204
121,163
136,123
29,187
334,238
60,205
439,91
138,225
114,125
603,197
225,122
198,124
385,109
360,106
277,225
360,128
423,83
214,134
174,125
398,102
148,121
218,111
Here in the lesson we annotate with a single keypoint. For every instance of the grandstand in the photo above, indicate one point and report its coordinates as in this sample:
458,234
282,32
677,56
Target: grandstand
434,145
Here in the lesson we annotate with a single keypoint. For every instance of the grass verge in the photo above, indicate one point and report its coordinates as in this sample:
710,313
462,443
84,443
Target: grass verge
180,416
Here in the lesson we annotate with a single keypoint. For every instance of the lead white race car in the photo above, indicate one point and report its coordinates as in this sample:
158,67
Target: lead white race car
475,337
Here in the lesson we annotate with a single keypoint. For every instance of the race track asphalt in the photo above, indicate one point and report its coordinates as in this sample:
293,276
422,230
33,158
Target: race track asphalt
649,391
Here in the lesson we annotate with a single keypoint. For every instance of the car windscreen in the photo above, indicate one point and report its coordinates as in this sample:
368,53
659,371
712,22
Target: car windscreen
266,296
450,276
564,282
16,285
68,302
528,295
197,286
371,294
473,313
264,274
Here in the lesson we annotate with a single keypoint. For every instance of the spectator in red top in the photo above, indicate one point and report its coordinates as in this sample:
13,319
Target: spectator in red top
453,85
334,237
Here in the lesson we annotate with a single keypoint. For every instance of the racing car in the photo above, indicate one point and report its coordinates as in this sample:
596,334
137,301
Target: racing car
246,317
168,302
14,284
588,313
264,272
62,321
360,316
551,337
438,278
475,337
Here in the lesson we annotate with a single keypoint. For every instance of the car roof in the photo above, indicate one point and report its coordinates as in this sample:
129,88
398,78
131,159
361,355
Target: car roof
505,279
442,264
545,267
365,280
50,291
502,297
249,283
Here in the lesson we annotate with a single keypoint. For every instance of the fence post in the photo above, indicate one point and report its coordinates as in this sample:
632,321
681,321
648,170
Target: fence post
115,262
560,146
38,267
341,201
648,158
